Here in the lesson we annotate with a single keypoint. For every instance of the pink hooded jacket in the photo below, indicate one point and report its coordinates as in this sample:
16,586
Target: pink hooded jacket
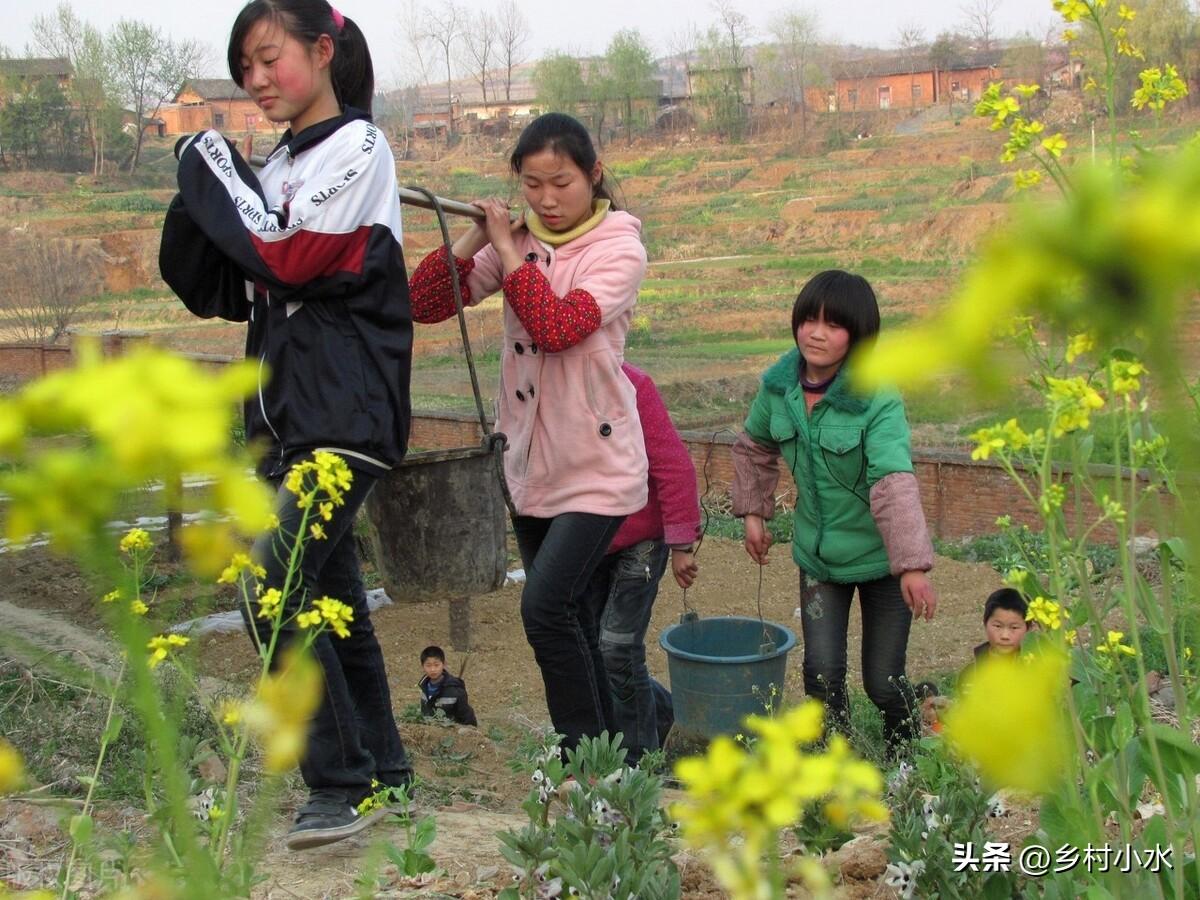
570,414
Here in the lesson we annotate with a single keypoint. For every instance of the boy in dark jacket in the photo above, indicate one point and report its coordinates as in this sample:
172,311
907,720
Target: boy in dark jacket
441,690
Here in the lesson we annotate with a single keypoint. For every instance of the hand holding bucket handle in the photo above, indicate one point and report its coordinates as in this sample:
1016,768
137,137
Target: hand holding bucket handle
758,538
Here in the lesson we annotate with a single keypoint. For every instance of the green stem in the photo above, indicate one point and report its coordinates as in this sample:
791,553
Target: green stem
87,800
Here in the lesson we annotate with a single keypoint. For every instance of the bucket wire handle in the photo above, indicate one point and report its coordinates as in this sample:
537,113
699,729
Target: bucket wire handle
768,642
496,441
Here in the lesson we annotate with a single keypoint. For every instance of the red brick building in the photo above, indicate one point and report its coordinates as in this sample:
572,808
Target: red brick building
204,103
893,82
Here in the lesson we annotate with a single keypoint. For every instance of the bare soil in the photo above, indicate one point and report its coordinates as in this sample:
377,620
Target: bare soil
470,786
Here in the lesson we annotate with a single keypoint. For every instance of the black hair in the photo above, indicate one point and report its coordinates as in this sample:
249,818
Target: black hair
846,299
566,136
433,652
1005,598
926,689
351,71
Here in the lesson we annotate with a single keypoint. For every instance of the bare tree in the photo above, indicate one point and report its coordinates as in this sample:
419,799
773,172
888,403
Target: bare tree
417,65
911,39
979,17
796,33
443,28
479,45
64,34
42,284
148,68
512,35
734,30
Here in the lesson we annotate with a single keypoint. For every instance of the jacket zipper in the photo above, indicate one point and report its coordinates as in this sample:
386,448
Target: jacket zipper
262,406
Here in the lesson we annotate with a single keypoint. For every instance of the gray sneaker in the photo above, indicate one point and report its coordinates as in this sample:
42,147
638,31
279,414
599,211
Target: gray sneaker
326,818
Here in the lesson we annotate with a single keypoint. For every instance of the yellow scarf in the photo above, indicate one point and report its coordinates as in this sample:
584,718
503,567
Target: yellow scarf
558,238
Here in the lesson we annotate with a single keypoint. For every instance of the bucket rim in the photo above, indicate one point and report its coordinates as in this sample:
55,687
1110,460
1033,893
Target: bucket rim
788,643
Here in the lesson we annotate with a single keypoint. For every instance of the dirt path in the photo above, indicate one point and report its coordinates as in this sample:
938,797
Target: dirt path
470,787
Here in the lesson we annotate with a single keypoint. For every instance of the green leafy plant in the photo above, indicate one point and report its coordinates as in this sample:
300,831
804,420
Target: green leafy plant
596,829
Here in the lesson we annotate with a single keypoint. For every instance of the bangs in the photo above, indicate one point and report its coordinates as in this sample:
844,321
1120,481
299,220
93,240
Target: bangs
252,13
845,299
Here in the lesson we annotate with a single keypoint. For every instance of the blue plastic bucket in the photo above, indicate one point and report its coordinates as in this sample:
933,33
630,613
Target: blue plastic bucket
719,672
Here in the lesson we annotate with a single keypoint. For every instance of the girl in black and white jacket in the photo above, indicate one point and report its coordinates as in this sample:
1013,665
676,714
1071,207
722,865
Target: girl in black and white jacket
308,253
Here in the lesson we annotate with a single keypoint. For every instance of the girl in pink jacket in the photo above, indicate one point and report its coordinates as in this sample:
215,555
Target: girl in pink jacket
570,269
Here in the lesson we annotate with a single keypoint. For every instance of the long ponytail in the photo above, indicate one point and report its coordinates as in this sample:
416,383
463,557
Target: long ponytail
351,71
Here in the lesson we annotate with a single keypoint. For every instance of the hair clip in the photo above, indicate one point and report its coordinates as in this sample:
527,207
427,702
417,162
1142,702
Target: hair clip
338,19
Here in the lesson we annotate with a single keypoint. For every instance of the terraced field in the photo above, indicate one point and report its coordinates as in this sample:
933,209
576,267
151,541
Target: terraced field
732,233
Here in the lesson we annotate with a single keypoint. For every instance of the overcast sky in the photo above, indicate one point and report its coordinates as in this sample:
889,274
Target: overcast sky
578,27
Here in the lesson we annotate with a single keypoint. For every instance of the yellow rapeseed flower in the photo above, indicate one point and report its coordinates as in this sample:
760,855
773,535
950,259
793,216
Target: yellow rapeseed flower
1027,90
1010,720
1045,612
1114,645
317,531
240,563
231,712
136,540
1113,509
283,704
1026,178
138,608
1055,144
336,614
1126,376
12,768
1124,12
269,603
1079,344
1071,10
161,645
1073,400
1052,499
112,596
144,416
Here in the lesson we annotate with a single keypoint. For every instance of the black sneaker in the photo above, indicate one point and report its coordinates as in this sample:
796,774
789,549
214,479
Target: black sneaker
326,818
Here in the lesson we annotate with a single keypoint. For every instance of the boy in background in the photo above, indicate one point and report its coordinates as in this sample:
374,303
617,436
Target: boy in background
442,691
1004,622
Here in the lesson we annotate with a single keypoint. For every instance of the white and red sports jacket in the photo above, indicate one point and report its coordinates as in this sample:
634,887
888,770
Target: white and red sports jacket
308,252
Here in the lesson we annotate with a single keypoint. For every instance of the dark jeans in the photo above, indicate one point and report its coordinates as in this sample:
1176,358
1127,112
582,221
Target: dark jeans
623,588
353,736
825,617
560,555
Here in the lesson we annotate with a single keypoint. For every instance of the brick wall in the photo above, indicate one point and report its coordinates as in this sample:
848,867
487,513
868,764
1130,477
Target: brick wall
24,362
961,496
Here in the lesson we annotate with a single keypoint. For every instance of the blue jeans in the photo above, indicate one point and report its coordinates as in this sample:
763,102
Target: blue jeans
824,617
560,618
625,585
352,737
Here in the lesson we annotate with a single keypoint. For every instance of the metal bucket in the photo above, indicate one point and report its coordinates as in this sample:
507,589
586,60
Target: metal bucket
437,523
722,670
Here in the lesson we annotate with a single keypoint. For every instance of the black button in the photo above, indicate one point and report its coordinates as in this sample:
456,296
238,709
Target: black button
605,429
533,348
519,348
531,256
520,396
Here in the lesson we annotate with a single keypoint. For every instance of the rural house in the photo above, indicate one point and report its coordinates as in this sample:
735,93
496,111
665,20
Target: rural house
204,103
897,81
19,76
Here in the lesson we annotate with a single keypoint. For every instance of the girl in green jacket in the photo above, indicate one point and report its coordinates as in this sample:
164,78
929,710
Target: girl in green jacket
858,523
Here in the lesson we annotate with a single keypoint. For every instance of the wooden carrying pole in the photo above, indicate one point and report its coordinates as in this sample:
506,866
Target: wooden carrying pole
412,198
